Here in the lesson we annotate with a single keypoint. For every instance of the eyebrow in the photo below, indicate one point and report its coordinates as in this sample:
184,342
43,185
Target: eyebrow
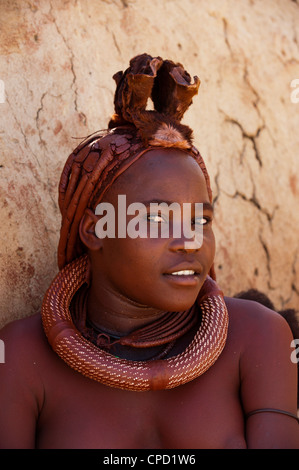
206,205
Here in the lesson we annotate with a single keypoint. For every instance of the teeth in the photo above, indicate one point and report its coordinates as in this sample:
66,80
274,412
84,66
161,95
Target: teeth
185,272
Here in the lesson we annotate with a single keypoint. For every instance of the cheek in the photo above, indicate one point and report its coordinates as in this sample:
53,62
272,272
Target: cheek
209,245
131,257
132,268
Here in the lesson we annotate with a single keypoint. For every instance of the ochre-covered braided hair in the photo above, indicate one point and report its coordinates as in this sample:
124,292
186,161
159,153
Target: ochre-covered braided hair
133,130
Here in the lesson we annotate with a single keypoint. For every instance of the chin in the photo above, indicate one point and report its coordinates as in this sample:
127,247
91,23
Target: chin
176,304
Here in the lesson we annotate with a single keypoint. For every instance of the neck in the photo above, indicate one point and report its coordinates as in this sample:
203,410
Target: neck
116,314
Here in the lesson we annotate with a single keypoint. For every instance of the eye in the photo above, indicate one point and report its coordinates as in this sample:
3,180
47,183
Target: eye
155,218
202,220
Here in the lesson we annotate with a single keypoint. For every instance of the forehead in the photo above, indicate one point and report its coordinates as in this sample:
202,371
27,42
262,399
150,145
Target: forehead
168,174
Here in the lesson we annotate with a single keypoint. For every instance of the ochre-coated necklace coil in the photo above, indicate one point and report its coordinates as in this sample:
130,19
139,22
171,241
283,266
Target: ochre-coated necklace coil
89,360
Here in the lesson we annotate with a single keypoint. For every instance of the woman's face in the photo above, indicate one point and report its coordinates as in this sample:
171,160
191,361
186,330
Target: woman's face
141,269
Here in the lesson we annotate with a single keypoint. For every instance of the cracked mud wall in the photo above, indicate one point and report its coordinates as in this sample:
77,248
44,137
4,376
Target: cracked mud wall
57,61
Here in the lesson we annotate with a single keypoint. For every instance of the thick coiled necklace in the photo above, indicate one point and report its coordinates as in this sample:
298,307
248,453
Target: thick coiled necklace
88,359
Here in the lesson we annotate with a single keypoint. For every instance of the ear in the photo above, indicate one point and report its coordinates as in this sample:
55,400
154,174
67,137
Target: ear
87,231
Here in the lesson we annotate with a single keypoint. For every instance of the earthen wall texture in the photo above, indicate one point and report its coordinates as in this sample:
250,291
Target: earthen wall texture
57,59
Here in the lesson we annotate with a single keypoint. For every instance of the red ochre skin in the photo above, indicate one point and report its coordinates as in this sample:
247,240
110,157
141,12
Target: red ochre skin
46,404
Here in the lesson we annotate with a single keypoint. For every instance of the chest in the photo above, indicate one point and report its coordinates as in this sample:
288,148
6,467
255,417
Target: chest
80,413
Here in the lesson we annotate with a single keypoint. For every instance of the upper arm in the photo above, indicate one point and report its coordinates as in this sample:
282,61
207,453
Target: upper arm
19,406
269,380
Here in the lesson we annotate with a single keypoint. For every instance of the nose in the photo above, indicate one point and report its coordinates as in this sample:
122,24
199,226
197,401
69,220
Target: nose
185,245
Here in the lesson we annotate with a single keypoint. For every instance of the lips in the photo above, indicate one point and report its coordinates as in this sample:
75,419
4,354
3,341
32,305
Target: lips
184,270
184,275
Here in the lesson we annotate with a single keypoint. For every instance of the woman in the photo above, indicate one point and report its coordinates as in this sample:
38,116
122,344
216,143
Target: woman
134,332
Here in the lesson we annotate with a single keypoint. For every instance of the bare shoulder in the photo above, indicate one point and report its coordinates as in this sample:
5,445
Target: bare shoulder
251,311
264,341
24,343
22,392
256,325
268,375
26,332
26,324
